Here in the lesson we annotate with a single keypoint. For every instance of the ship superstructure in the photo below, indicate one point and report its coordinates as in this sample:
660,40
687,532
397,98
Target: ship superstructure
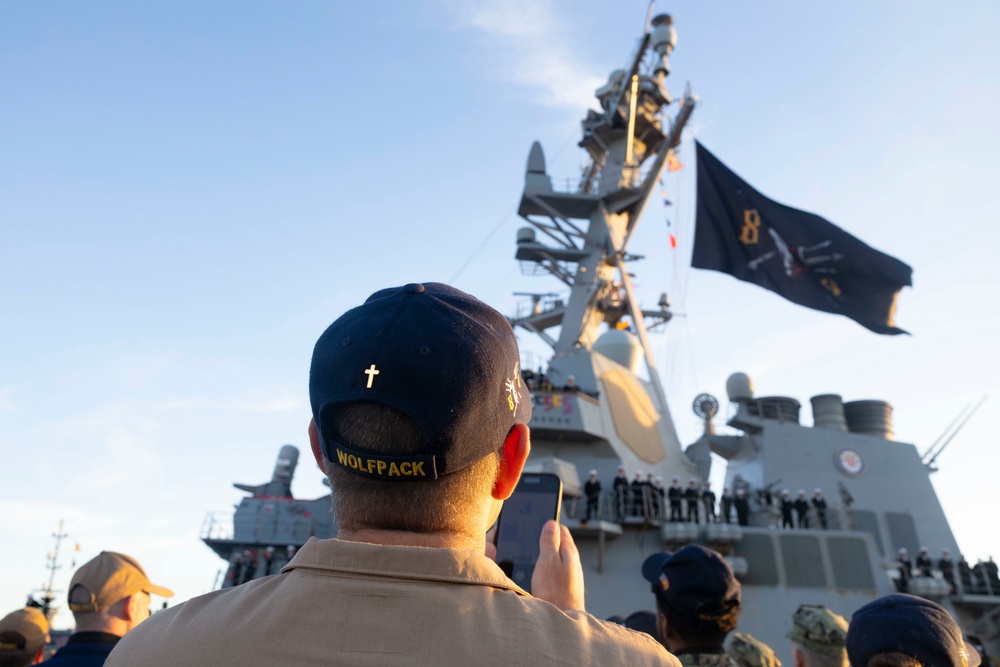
599,406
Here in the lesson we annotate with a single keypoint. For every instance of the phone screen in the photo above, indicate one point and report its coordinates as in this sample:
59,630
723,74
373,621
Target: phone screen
536,499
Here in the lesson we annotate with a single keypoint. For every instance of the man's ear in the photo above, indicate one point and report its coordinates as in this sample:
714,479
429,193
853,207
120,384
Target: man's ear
130,607
513,454
315,446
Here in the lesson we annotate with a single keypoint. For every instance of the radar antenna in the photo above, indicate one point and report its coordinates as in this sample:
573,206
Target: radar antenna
935,449
706,406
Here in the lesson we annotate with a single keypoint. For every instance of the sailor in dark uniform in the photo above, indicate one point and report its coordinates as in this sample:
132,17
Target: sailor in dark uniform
675,493
924,563
660,492
249,566
947,567
269,564
708,499
638,496
819,504
992,575
742,506
965,574
786,509
905,570
802,510
620,490
691,495
652,500
592,489
726,504
235,570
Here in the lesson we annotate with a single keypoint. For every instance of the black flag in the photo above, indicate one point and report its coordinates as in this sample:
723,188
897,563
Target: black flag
801,256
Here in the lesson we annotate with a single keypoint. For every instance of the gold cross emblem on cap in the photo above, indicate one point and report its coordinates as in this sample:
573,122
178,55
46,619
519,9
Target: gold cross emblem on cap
371,373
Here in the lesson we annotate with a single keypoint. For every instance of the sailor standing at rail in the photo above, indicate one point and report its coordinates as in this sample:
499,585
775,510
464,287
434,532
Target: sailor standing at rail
819,504
675,493
592,489
620,491
802,509
708,499
947,567
726,504
786,509
924,563
905,570
742,506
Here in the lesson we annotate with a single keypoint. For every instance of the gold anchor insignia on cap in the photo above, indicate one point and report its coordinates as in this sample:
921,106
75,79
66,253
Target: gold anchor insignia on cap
371,373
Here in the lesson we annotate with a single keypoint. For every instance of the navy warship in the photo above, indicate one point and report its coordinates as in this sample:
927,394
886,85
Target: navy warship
600,411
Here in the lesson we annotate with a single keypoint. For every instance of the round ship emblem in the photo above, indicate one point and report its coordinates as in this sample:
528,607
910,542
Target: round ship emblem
849,462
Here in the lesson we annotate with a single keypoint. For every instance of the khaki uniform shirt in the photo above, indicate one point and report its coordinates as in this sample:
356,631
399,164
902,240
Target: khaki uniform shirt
351,603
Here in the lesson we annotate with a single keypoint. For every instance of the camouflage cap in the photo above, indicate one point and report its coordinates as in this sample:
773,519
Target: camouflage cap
819,629
749,651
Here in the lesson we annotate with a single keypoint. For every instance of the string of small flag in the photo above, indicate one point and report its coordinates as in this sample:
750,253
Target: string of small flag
673,165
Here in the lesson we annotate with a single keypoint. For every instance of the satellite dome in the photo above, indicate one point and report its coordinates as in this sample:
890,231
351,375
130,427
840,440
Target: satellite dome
739,387
621,347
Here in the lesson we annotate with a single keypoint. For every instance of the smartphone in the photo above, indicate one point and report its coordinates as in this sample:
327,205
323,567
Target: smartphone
536,499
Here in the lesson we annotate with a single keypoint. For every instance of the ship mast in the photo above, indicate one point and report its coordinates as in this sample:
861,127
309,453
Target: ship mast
629,133
52,564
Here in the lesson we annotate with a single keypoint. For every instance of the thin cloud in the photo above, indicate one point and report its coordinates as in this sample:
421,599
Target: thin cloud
531,44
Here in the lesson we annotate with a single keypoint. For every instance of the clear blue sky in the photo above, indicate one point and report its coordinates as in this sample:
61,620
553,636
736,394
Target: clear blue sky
189,194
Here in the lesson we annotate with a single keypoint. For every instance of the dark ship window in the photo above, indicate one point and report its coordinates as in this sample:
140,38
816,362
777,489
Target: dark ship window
803,561
866,521
762,569
851,567
902,531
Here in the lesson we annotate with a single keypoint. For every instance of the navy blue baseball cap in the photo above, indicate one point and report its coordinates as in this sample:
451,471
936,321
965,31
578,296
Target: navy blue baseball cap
695,581
438,355
908,624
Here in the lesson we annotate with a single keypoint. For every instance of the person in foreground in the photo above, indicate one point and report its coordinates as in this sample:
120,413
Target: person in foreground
697,604
420,421
23,636
818,636
109,596
906,631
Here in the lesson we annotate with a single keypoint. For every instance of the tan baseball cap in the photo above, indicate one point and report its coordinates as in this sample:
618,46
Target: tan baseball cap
24,630
108,578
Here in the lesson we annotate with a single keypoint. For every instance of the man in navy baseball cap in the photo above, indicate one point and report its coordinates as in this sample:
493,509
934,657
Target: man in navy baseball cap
420,422
697,601
911,626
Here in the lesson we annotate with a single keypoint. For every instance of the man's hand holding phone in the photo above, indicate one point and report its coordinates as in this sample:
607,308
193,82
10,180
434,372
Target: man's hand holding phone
558,575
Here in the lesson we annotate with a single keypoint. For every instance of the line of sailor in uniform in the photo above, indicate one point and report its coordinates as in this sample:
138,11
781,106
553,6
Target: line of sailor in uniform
645,496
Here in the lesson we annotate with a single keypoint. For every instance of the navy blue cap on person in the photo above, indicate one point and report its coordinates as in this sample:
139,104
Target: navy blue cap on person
910,625
694,581
438,355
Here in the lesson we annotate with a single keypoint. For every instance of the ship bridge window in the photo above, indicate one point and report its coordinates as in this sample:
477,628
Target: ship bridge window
902,531
850,563
803,561
762,570
867,522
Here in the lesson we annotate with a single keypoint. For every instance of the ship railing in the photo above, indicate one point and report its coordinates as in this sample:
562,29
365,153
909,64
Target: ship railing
621,507
217,526
980,579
